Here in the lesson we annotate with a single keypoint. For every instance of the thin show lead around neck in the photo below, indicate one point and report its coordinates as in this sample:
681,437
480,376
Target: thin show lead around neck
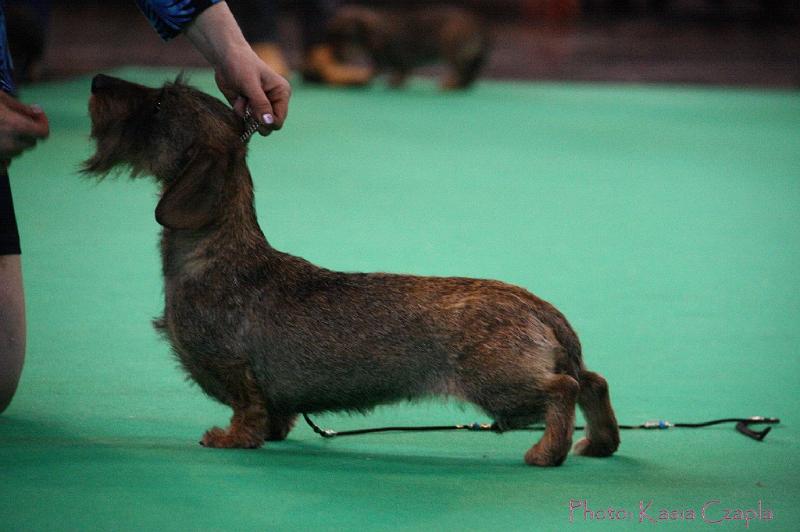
250,125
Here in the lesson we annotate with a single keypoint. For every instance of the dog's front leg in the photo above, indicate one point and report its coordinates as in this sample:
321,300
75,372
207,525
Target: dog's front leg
247,429
249,424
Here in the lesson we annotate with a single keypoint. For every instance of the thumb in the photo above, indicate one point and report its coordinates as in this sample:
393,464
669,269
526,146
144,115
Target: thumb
261,108
239,105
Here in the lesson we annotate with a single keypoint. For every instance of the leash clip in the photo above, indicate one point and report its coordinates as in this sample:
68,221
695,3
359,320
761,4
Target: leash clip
250,126
325,433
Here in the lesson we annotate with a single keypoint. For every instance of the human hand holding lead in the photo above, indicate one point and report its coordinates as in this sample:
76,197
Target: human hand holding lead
21,127
244,79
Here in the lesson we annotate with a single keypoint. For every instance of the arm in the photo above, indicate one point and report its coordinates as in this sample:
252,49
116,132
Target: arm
241,76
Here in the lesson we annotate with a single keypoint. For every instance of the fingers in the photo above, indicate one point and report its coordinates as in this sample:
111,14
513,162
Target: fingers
230,93
268,102
14,105
261,108
33,126
240,105
41,125
21,126
247,82
279,94
23,119
11,146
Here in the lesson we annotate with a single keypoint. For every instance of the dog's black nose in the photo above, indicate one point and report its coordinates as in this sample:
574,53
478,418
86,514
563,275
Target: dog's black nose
100,82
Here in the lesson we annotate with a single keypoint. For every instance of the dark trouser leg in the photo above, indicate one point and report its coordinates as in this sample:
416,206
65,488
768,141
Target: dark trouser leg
314,16
257,19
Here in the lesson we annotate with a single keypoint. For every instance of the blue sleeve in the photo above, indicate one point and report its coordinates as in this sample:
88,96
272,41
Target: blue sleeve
170,17
6,77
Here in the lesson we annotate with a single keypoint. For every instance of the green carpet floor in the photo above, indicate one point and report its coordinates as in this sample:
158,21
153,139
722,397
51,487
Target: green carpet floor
662,221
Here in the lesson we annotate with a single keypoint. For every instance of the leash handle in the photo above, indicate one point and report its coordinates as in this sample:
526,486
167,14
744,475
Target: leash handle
743,426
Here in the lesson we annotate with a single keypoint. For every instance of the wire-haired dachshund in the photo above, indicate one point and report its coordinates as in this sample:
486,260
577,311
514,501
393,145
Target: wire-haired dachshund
272,335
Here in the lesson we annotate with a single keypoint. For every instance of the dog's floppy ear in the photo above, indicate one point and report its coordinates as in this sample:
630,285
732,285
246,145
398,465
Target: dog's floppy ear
193,199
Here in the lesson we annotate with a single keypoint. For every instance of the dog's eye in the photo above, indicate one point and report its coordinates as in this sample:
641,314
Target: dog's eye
157,104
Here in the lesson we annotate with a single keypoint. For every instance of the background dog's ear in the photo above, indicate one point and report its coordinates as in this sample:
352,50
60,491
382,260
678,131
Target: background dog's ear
193,199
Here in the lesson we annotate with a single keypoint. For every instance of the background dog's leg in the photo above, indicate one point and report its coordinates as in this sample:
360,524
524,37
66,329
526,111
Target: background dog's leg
552,449
397,78
279,425
602,433
465,67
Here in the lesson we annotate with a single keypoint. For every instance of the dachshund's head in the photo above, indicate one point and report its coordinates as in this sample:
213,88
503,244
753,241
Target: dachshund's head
187,140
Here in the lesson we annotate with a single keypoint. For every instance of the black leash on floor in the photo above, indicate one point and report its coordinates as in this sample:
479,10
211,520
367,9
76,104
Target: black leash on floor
742,425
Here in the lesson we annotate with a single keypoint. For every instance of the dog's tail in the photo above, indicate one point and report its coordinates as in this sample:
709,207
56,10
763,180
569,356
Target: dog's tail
570,360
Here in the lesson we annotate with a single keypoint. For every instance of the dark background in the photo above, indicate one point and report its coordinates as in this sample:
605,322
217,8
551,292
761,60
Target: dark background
732,43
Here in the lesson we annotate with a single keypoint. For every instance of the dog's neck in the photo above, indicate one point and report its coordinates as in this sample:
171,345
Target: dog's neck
238,213
236,229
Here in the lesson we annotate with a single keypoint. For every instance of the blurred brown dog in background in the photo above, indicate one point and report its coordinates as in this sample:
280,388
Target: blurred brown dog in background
395,42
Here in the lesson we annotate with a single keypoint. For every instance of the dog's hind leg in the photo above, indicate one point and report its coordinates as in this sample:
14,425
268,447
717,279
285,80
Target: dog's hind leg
279,425
602,432
398,78
465,65
559,418
249,423
523,396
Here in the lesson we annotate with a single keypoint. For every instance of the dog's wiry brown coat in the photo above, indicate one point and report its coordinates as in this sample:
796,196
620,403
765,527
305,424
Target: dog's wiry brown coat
272,335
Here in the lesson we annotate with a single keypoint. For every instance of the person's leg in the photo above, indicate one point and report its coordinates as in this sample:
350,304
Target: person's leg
27,25
257,19
12,300
314,17
12,327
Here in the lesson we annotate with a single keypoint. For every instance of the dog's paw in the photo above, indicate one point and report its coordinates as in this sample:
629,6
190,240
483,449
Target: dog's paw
213,437
587,447
221,439
537,456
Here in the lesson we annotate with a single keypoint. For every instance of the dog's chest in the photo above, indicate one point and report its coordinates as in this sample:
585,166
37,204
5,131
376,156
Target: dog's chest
205,310
211,331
